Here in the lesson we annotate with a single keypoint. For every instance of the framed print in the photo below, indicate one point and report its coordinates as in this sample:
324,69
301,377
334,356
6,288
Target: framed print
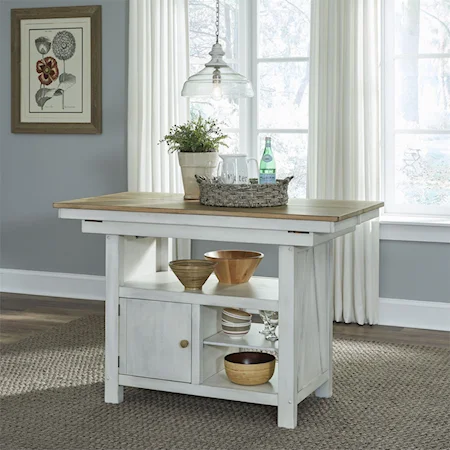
56,70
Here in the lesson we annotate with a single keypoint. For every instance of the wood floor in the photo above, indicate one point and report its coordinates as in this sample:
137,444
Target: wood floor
22,315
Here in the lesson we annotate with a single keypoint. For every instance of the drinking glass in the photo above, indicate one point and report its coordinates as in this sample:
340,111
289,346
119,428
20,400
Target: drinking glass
272,318
266,329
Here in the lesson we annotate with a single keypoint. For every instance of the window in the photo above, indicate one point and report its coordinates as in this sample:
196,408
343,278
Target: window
417,106
268,41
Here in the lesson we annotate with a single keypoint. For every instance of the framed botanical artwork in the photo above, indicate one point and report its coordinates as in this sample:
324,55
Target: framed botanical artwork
56,70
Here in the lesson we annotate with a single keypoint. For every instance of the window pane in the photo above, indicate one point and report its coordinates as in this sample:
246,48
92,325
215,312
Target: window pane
290,152
232,142
202,29
423,93
422,26
226,111
283,95
422,169
283,28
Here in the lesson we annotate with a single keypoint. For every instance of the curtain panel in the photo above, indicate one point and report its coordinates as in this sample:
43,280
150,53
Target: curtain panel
344,142
158,67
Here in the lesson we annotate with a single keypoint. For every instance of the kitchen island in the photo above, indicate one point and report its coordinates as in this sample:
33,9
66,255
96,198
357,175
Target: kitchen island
150,317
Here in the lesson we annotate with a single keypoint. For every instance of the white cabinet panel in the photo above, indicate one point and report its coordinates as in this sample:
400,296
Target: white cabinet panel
150,336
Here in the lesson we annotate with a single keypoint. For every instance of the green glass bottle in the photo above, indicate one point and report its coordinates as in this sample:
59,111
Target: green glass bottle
267,167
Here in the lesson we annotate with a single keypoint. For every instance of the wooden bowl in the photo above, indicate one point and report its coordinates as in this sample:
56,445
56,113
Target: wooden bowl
192,273
235,266
249,368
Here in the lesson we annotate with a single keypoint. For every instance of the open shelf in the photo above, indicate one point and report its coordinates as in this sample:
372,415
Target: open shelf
251,340
258,293
217,386
220,380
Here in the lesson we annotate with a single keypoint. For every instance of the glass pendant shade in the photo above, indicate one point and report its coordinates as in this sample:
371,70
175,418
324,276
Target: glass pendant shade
231,84
217,80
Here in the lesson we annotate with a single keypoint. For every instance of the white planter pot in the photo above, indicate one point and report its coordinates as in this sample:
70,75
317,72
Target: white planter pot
192,164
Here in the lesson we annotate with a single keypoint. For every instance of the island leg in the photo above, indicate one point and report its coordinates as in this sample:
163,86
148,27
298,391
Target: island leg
326,390
288,330
305,327
113,392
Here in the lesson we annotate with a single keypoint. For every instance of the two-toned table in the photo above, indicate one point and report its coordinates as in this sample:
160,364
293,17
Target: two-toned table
148,313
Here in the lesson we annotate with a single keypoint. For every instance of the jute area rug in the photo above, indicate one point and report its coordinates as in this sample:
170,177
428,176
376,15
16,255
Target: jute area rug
385,397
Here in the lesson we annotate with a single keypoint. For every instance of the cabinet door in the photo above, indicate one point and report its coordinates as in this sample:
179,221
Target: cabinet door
150,339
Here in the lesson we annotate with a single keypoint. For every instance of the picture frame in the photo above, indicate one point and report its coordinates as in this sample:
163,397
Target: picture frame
56,70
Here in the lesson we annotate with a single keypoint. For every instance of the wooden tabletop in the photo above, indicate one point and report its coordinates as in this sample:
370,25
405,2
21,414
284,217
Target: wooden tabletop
151,202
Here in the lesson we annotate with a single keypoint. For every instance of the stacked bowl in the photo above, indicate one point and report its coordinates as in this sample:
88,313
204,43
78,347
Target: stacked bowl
235,322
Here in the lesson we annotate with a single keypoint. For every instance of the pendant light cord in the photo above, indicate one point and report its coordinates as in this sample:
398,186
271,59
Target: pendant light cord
217,22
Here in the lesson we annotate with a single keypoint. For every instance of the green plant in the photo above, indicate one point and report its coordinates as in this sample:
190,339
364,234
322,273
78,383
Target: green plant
198,135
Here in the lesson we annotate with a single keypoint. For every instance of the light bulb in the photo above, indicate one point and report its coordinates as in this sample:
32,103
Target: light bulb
217,85
217,91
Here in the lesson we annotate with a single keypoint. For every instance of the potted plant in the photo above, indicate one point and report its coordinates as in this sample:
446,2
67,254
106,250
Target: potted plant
197,143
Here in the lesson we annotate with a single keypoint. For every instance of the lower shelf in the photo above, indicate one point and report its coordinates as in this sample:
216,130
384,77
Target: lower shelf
217,386
220,380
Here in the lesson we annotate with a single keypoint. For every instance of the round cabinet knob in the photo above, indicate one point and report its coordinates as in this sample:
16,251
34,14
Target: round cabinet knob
184,343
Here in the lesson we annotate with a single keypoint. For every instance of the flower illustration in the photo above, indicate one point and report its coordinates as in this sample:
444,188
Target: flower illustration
64,45
48,70
43,45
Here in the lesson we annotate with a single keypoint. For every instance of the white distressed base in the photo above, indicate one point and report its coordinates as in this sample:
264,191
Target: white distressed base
326,390
305,328
114,249
113,393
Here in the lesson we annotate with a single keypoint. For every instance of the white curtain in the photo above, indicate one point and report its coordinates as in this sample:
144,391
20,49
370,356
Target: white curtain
158,67
343,152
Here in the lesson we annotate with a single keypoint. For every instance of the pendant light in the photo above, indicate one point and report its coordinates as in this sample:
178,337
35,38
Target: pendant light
217,79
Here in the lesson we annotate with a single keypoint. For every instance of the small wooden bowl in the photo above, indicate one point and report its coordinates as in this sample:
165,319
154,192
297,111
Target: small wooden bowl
234,266
249,368
192,273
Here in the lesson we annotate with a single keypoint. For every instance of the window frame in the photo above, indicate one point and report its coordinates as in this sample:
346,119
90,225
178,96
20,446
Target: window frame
421,213
249,62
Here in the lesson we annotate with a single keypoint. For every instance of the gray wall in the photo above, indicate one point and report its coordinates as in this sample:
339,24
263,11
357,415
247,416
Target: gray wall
408,270
415,271
36,170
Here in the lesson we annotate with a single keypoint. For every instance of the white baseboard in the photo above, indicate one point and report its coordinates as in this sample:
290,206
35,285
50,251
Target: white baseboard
414,314
52,284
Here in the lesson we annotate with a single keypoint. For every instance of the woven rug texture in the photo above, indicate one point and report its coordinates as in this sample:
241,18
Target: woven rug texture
385,396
